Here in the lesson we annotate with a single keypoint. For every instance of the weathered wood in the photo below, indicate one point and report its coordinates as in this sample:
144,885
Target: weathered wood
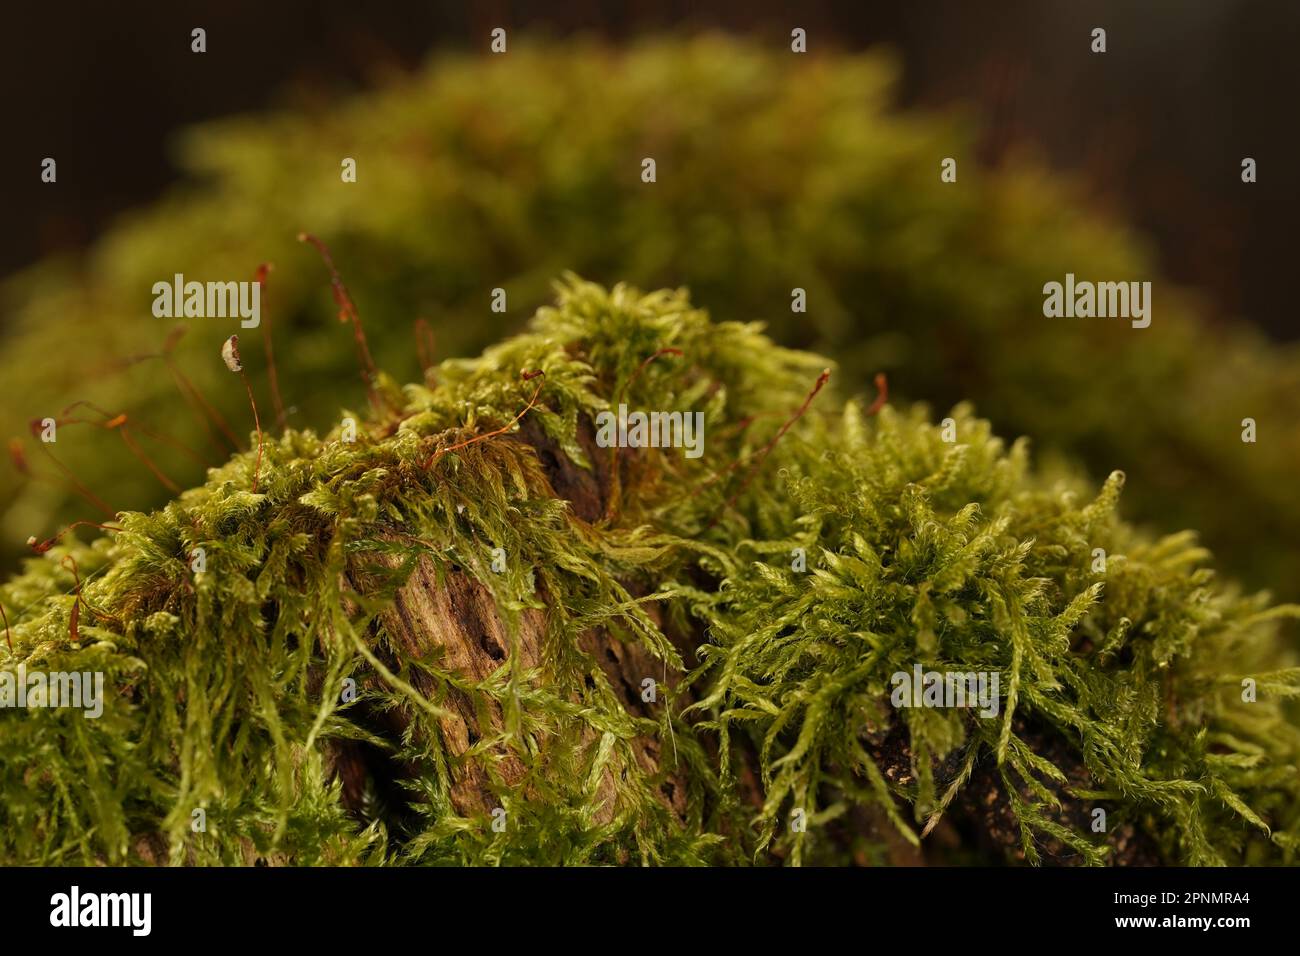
454,618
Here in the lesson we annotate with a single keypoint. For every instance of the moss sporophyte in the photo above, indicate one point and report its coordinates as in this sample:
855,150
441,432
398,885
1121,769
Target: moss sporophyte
461,631
898,270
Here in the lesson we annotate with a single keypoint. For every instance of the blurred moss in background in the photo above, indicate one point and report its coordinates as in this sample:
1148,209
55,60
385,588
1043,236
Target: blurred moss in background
774,172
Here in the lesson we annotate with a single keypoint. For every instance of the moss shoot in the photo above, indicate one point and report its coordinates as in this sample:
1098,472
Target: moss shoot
486,172
455,629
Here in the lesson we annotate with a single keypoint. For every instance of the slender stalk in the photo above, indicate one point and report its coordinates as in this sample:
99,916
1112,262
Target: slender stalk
499,431
230,355
348,313
74,618
425,347
615,481
766,449
76,484
272,376
40,547
118,423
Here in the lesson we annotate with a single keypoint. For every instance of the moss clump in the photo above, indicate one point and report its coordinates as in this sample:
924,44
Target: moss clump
776,172
494,598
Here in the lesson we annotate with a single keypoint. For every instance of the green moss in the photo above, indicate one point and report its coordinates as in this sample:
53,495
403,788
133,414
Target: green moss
775,172
223,685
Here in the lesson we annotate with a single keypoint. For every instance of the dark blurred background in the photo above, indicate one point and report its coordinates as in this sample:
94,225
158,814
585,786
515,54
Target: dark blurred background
1157,127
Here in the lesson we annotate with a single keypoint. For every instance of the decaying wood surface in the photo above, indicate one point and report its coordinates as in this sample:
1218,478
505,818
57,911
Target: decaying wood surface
456,616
